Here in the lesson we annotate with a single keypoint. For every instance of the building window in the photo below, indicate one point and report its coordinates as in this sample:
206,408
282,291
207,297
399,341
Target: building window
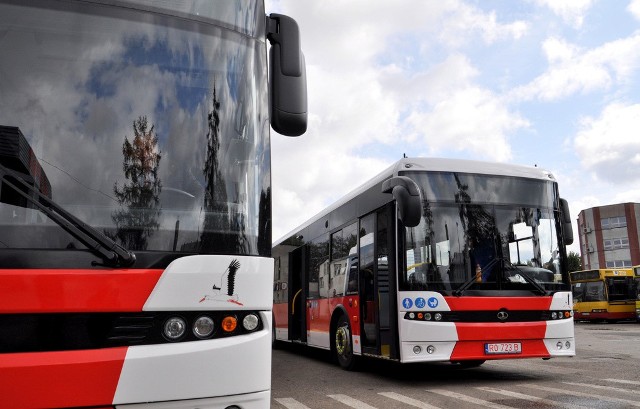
613,222
619,264
615,244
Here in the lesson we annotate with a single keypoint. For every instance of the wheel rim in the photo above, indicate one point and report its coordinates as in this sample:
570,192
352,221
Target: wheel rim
343,341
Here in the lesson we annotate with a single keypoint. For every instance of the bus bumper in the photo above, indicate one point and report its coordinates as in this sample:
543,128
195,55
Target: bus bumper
258,400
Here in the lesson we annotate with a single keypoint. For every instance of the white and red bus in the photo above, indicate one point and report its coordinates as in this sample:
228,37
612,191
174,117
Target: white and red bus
432,260
135,200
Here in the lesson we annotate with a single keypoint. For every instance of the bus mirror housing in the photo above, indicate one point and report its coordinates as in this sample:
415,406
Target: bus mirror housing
407,196
567,229
288,82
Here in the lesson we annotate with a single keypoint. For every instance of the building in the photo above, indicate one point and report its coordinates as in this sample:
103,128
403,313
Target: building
609,236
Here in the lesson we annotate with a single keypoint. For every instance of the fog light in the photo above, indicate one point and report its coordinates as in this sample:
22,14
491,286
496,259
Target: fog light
431,349
250,322
438,316
559,345
229,324
417,349
174,328
427,316
203,327
567,345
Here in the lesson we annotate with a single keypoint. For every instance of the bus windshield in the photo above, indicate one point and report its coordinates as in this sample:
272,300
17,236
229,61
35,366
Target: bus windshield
483,233
158,146
589,291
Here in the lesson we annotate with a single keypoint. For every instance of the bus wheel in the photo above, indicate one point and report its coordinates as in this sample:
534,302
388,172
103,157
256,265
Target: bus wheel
343,344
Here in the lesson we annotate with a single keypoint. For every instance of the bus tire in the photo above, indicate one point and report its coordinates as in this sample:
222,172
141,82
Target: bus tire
343,344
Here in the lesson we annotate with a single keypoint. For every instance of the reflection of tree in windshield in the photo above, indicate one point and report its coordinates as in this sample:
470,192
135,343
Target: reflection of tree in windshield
136,223
479,226
215,195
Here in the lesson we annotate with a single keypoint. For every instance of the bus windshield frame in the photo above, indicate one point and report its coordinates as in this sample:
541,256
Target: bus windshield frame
484,234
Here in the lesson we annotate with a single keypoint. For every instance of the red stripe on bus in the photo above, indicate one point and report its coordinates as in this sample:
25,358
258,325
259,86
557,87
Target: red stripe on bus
467,350
473,336
498,332
60,379
496,303
38,291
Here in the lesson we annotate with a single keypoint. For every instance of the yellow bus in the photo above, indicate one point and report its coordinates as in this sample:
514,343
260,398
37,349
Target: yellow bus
636,278
603,294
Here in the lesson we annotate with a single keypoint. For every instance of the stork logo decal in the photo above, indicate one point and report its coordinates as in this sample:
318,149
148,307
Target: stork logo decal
225,291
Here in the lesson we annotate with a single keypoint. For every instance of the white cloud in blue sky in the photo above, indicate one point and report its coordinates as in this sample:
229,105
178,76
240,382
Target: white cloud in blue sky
546,82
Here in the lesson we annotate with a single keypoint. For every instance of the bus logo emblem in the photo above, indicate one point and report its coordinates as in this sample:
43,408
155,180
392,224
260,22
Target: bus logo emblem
503,315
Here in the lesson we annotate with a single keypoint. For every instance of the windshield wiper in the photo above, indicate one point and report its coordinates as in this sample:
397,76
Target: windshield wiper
529,279
111,252
465,286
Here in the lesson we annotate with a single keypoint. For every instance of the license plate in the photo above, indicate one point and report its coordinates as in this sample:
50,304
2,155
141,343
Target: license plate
503,348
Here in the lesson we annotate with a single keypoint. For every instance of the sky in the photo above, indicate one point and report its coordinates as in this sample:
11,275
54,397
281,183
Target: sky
550,83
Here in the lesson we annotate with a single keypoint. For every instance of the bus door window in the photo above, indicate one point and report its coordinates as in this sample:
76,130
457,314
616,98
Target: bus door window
620,288
317,287
367,281
343,253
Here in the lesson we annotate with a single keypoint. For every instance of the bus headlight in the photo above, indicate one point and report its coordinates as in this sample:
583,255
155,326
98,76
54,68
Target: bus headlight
203,327
250,322
174,328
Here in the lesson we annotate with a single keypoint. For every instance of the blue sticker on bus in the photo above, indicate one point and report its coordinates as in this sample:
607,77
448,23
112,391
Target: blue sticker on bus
433,302
420,302
407,303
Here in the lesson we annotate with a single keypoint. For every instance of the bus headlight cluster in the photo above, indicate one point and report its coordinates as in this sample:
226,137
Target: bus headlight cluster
175,328
424,316
563,345
558,315
417,349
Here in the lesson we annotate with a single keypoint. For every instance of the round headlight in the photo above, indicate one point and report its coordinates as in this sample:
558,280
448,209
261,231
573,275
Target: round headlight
250,322
438,316
553,315
427,316
174,328
203,327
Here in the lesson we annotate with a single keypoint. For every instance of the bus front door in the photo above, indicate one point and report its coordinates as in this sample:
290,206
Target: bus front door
376,285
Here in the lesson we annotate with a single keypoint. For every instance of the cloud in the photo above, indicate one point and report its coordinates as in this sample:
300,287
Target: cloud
634,8
609,145
572,12
374,80
574,70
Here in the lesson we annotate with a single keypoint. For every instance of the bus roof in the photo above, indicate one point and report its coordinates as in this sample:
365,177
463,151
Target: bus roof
432,165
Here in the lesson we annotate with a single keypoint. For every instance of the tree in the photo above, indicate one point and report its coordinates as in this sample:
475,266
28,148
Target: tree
574,261
137,219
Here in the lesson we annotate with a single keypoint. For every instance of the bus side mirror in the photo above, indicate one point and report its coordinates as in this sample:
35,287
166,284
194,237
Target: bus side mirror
288,82
567,229
407,196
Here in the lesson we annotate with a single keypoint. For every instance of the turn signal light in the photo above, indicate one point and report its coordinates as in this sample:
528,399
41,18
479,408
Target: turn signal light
229,324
